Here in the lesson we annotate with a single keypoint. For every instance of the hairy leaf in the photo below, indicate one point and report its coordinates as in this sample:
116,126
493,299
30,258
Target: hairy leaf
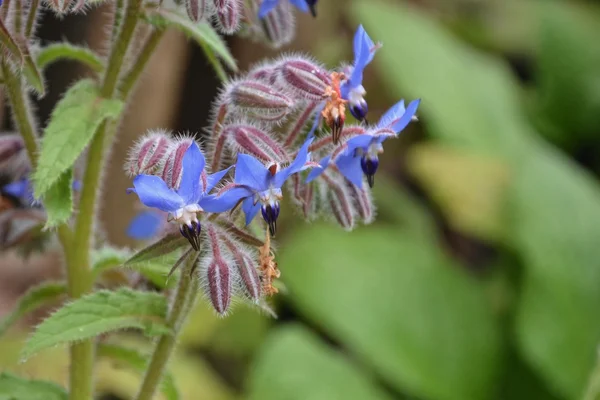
201,32
13,387
58,201
33,299
72,125
138,362
100,312
166,245
67,51
296,365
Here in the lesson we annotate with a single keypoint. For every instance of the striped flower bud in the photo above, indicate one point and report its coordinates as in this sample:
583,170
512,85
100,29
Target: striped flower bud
255,141
196,9
173,164
216,277
247,269
339,200
304,78
363,202
228,16
263,72
278,26
261,100
146,156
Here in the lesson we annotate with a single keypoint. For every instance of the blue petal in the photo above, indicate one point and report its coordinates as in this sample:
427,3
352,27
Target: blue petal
300,4
251,173
190,188
296,166
266,7
395,112
359,142
226,201
213,179
77,185
363,45
316,172
350,167
154,192
399,125
250,209
17,189
145,225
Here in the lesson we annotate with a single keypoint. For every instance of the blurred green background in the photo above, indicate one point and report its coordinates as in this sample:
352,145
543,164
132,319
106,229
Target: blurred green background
480,278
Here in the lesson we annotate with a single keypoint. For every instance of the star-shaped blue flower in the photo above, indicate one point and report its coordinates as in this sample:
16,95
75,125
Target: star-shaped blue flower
259,186
268,5
145,225
352,88
23,190
360,155
185,203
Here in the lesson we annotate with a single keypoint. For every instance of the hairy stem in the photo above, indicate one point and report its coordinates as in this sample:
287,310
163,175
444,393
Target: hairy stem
33,10
80,279
181,305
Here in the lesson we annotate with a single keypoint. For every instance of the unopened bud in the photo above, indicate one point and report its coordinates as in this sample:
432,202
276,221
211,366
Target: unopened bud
255,141
218,277
173,165
363,202
229,15
303,78
264,73
196,9
261,100
247,269
148,154
339,200
278,26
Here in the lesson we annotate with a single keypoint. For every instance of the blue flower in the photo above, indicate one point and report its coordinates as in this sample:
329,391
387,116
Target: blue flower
259,186
360,154
23,191
145,225
352,89
185,203
268,5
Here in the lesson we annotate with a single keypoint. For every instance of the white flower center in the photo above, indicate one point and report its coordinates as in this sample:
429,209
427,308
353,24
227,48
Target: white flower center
187,214
356,95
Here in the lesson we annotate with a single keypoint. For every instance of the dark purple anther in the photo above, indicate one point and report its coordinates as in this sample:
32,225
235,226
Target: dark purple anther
312,4
359,111
270,214
192,233
369,167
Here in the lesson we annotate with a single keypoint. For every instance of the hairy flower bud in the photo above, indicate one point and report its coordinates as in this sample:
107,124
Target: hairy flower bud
228,16
262,101
217,276
304,78
263,72
278,25
173,165
363,202
255,141
247,269
196,9
148,154
339,200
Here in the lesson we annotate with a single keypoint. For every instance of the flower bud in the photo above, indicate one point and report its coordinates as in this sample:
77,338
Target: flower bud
303,78
196,9
173,165
263,72
219,280
278,26
263,101
228,16
363,202
339,200
148,154
247,269
250,139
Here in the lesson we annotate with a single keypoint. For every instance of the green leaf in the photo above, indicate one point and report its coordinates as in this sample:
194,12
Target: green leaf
138,362
13,387
400,305
33,299
164,246
9,43
32,72
66,51
553,205
100,312
58,200
201,32
295,365
74,121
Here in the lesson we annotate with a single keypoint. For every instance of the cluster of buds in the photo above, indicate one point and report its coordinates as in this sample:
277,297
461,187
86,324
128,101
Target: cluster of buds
267,129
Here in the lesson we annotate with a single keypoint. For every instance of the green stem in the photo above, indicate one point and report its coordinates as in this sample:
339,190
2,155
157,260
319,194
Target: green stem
33,10
132,76
79,274
18,16
181,305
119,5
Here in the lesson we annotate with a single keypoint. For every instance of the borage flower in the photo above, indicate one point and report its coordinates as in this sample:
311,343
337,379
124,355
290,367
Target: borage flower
303,5
352,89
359,155
258,187
191,198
